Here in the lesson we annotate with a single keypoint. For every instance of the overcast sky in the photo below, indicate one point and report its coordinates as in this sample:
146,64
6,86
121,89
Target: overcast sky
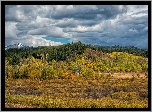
32,25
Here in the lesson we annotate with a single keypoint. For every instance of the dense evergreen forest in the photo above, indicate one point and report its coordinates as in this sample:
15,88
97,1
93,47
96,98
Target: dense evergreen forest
63,52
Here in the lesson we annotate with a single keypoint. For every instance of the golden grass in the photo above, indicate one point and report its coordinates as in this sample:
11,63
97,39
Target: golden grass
106,92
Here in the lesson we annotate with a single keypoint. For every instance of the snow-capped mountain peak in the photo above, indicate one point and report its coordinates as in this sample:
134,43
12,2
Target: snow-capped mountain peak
18,45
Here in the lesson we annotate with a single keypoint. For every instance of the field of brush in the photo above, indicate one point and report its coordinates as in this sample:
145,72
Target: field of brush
76,76
115,90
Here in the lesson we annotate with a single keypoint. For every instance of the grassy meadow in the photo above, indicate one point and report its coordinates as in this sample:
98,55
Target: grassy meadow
110,91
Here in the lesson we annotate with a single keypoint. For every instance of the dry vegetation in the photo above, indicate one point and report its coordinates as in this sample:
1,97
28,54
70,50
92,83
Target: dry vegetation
86,78
110,91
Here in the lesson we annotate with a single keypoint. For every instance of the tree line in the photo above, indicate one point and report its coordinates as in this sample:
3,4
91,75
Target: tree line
64,52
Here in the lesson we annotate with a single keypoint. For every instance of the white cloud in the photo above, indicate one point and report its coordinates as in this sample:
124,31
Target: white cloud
11,30
92,24
49,31
37,40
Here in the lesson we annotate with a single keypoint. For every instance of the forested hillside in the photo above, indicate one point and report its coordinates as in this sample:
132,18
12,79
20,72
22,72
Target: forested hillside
62,52
74,59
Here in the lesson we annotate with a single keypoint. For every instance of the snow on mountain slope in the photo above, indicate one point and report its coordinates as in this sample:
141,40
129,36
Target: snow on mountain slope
18,45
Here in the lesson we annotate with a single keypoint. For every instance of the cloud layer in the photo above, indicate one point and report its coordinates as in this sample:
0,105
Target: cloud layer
92,24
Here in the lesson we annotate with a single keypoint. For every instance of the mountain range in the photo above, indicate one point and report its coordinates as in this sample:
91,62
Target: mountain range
18,45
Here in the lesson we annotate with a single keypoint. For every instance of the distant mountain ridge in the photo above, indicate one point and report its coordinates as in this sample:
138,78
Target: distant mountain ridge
18,45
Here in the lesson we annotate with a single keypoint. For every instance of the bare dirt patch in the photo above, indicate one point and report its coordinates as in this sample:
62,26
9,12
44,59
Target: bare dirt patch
128,75
27,91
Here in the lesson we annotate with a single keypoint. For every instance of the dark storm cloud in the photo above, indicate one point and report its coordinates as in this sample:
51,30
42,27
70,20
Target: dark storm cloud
137,27
7,7
135,20
141,12
14,13
86,34
64,25
71,23
26,26
19,13
89,22
84,12
9,17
